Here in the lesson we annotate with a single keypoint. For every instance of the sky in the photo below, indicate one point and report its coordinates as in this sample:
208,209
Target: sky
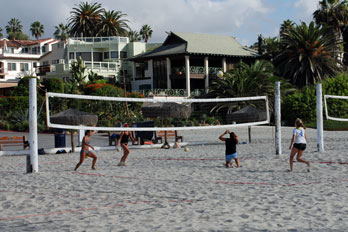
242,19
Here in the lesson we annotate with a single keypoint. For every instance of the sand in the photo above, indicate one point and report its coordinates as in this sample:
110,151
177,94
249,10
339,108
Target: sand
174,190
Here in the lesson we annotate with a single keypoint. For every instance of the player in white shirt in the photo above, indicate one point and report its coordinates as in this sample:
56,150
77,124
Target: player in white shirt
298,144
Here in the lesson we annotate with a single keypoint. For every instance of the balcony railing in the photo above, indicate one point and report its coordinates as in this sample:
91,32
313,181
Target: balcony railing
97,40
195,70
102,66
171,92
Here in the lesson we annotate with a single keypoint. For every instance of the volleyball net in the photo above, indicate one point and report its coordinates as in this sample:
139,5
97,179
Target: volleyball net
336,108
159,114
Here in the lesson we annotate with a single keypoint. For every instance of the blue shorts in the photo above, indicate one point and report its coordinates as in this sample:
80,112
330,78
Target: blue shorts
231,156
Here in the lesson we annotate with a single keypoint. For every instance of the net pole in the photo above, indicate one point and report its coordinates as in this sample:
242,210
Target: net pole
34,160
278,135
320,131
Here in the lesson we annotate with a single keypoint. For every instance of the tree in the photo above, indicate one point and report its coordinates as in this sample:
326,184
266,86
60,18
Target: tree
78,72
17,36
37,29
307,54
14,27
133,36
112,23
1,35
84,19
62,32
146,32
286,26
334,14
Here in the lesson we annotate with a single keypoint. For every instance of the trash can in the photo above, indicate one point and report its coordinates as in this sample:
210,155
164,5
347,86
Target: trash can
59,138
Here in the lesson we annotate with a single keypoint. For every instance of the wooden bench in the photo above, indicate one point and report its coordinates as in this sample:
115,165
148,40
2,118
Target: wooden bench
13,141
160,136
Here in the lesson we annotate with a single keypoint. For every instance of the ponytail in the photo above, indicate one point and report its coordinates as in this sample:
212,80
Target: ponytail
299,123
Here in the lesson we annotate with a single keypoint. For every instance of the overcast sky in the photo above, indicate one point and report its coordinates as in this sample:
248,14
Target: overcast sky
243,19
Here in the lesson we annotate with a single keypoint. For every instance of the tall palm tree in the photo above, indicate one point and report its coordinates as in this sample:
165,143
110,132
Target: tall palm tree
334,14
307,54
112,23
37,29
285,26
14,27
62,32
133,36
84,19
146,32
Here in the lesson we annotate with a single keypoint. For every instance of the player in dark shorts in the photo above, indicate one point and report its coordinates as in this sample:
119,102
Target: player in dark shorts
124,137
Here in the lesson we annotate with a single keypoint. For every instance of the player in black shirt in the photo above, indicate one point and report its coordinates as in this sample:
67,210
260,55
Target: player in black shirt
231,151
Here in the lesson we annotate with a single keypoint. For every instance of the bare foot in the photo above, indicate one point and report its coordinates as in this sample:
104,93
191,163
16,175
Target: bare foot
93,168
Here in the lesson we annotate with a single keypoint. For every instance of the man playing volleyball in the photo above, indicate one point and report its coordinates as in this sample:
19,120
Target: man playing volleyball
231,150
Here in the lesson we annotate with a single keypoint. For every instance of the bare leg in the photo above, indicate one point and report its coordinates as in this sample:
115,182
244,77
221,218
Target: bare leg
299,159
125,152
82,158
94,156
237,162
228,164
292,155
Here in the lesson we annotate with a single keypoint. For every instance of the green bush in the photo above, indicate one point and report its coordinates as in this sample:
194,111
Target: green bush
302,103
23,86
54,85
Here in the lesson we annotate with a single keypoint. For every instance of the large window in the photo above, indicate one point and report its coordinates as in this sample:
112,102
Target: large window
43,49
71,55
114,54
106,55
24,67
11,66
25,50
86,56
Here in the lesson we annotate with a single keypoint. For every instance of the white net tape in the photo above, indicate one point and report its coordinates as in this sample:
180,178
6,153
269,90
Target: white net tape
328,117
264,120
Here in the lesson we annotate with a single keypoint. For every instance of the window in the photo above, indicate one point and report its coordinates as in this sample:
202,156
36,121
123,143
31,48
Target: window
86,56
33,50
45,63
123,55
25,50
106,55
71,55
11,67
114,54
55,61
43,49
35,64
24,67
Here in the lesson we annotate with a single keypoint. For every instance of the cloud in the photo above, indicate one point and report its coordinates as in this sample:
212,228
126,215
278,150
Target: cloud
201,16
306,8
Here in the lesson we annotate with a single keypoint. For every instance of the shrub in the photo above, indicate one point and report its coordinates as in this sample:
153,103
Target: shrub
23,86
54,85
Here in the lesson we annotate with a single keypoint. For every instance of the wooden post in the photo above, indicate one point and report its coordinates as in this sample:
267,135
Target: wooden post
320,130
33,144
278,135
249,133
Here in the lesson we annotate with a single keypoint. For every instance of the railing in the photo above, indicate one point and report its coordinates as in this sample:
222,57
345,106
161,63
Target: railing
171,92
96,40
195,70
102,66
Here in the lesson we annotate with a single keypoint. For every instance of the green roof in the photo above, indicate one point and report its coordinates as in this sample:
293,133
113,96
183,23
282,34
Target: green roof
214,44
199,44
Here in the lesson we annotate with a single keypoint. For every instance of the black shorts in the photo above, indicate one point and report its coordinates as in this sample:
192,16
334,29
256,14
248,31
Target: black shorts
300,146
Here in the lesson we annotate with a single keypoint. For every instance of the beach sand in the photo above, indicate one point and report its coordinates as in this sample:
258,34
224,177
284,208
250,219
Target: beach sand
174,190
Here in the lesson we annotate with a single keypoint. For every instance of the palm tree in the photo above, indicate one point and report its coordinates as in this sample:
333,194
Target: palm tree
1,35
307,54
244,80
146,32
286,25
112,23
62,32
84,19
133,36
334,14
14,27
37,29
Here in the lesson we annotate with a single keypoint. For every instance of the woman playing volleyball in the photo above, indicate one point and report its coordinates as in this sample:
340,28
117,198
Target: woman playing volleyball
85,152
124,137
231,151
298,144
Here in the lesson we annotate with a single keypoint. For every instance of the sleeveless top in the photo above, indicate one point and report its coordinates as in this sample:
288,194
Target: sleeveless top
125,138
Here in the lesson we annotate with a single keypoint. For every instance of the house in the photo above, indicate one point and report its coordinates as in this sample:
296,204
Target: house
105,56
165,68
19,58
